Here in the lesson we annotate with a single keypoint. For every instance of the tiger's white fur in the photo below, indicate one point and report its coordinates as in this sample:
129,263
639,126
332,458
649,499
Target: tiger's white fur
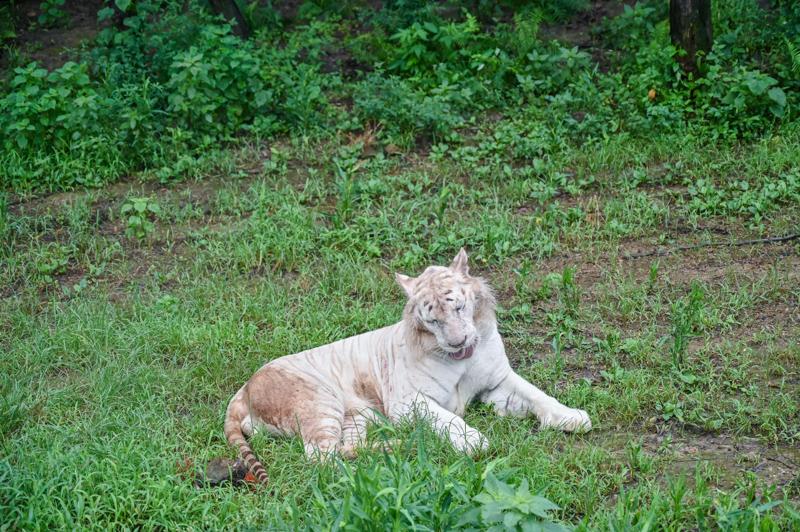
445,352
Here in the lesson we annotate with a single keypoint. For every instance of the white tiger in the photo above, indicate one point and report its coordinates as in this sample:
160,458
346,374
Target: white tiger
445,352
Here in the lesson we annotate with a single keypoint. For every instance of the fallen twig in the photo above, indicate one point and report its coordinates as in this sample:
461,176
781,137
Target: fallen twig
660,253
782,462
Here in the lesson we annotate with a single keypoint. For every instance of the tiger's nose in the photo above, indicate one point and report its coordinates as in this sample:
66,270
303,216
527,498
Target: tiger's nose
462,342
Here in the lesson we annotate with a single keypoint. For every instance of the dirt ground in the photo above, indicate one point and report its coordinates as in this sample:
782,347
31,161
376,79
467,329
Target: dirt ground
52,47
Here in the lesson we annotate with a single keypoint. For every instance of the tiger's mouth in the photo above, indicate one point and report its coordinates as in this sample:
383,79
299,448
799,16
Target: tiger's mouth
464,352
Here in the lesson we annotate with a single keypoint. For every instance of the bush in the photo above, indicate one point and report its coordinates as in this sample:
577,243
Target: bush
401,107
214,89
52,110
167,75
169,83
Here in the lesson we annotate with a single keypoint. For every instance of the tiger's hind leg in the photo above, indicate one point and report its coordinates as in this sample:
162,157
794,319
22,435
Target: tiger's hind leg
322,430
354,434
298,402
324,442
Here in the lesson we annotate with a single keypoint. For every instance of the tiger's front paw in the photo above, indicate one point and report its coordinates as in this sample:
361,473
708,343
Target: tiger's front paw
568,420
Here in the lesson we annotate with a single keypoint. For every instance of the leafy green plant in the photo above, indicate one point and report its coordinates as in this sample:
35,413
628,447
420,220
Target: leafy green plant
668,410
523,280
304,96
168,305
50,109
404,107
639,459
423,45
616,374
52,261
390,493
216,87
262,16
139,222
90,279
754,89
526,27
52,14
794,55
168,70
442,201
546,70
686,322
498,242
565,335
743,197
505,508
8,23
610,346
409,491
730,516
634,27
347,183
570,294
651,280
633,512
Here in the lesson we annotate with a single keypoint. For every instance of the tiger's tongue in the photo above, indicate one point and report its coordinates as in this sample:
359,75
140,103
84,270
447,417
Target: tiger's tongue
464,352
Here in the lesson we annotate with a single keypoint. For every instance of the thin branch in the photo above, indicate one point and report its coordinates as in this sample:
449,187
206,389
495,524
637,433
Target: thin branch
661,253
782,462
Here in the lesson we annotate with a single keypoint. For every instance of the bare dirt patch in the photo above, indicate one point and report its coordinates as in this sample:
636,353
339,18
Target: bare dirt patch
52,46
733,457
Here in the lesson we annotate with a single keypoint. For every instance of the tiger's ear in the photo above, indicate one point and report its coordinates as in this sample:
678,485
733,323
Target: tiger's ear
460,263
408,284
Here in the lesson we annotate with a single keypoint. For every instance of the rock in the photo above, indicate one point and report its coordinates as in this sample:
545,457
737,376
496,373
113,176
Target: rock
221,470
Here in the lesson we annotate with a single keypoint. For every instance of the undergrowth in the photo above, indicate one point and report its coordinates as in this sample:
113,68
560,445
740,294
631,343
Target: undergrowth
168,84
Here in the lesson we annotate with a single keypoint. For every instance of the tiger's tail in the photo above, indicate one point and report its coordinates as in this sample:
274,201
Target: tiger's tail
237,412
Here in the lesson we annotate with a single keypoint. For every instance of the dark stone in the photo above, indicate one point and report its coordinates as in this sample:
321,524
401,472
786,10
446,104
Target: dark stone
221,470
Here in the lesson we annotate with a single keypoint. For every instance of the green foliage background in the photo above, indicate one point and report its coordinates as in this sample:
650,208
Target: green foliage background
174,83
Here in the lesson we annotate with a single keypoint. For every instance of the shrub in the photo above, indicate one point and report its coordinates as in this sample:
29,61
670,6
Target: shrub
168,74
51,110
216,87
403,108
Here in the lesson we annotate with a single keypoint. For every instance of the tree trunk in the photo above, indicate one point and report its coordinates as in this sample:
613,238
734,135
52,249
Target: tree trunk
232,13
691,30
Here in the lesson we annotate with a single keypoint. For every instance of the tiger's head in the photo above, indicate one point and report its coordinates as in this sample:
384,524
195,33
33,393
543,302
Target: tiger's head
447,309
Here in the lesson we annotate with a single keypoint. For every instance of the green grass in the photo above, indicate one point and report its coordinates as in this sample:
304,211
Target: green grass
281,209
118,355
